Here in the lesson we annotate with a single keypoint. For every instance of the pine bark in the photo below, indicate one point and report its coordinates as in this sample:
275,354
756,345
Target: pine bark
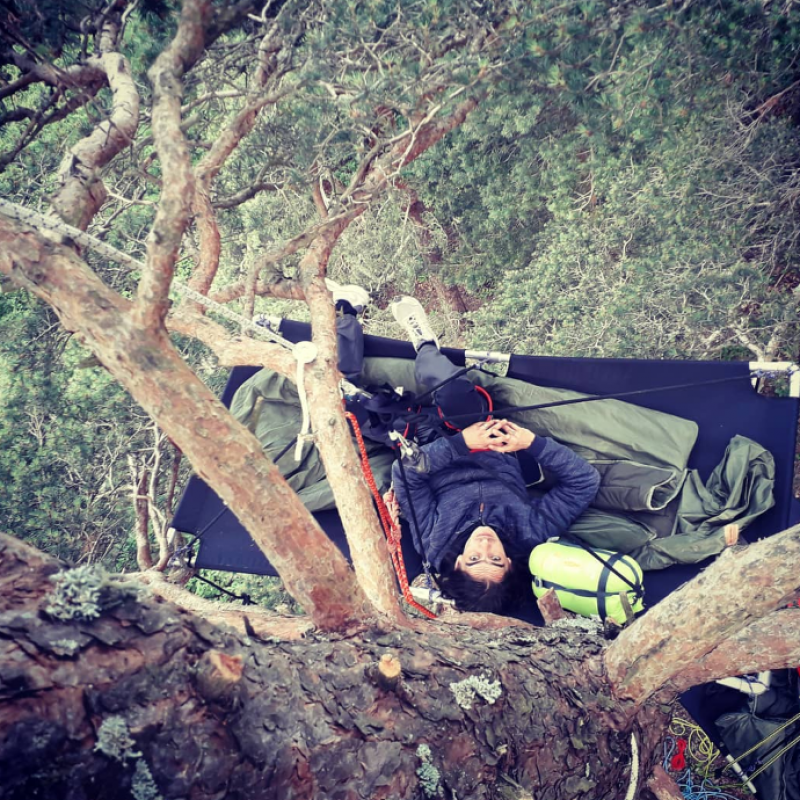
206,713
140,696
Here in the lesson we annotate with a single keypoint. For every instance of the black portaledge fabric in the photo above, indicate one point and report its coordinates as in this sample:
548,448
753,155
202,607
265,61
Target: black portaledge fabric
720,410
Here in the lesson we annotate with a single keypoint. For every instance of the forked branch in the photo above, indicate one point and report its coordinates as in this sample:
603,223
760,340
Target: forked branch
664,644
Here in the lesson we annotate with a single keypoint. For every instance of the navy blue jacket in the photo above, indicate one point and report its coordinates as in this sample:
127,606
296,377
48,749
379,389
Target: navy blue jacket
452,487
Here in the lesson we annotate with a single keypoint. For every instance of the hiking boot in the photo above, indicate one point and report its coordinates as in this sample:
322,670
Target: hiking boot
408,311
355,296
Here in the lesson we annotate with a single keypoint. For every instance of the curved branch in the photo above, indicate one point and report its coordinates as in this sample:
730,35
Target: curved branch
377,179
772,642
81,192
659,646
77,76
240,126
177,193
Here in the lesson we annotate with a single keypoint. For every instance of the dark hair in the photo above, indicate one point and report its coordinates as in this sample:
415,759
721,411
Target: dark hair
471,594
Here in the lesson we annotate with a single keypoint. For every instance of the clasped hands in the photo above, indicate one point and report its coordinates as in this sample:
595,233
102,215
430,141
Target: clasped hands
499,435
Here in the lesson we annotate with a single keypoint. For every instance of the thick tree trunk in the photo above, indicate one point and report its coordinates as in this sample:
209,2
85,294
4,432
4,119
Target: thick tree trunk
146,695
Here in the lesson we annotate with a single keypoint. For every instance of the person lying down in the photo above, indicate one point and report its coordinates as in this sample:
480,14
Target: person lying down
467,493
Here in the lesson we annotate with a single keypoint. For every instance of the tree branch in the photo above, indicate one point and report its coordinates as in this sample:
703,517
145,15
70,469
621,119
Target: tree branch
270,68
81,192
251,620
177,192
375,181
147,365
368,550
144,557
248,193
76,76
662,644
283,289
772,642
231,352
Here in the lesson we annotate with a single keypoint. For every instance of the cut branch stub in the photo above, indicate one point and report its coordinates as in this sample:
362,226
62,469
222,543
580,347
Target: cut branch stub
218,676
551,608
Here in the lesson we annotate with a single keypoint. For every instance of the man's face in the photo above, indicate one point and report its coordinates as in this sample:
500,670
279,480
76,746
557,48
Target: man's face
484,557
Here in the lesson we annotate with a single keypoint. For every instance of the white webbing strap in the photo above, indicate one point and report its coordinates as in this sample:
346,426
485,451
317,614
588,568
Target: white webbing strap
305,353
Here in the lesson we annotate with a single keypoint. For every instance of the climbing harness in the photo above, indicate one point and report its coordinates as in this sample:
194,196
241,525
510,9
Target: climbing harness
411,451
391,532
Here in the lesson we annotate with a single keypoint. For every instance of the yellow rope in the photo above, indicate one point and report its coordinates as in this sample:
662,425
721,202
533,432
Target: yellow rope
699,747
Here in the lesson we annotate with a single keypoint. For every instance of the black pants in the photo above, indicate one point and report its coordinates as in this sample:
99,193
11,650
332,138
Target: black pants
350,343
431,366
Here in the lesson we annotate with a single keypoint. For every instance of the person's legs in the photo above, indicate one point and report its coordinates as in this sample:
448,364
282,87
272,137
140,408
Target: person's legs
350,345
432,366
458,397
349,300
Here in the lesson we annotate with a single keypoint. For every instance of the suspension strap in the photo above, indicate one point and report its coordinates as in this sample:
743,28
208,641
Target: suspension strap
305,353
391,532
244,597
500,412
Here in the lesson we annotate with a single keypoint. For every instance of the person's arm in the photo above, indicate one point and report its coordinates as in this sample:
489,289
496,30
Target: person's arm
577,485
412,482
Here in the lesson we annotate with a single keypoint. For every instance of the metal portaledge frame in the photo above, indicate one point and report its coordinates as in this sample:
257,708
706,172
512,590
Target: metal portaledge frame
749,685
489,356
740,773
780,366
270,323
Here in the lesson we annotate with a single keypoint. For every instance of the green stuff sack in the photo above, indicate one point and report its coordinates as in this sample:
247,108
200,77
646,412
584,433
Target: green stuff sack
583,580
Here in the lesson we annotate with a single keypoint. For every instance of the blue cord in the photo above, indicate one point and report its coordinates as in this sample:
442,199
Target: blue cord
705,790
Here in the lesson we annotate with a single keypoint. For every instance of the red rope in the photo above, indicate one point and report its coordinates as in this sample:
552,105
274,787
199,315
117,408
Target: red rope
391,531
